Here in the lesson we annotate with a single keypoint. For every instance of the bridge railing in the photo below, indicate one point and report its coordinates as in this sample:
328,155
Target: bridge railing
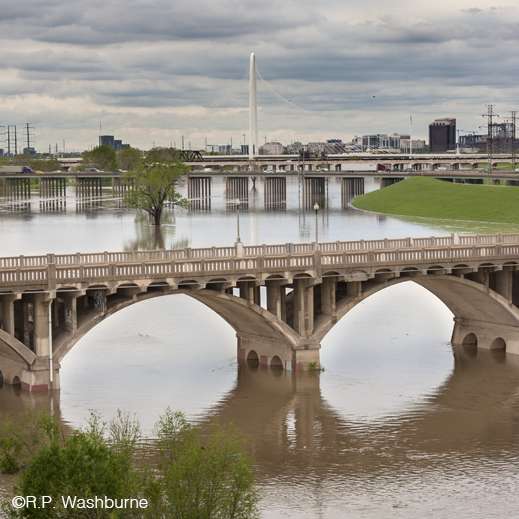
408,245
159,268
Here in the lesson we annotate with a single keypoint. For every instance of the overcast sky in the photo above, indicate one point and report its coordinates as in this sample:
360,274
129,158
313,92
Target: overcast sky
148,71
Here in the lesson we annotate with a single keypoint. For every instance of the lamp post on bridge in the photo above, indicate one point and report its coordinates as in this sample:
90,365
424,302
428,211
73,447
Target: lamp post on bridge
238,203
238,244
316,209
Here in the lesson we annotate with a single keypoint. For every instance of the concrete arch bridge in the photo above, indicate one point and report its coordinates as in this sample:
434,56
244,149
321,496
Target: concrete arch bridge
49,302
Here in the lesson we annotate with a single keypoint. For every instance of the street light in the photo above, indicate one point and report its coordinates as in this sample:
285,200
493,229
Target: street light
316,209
238,202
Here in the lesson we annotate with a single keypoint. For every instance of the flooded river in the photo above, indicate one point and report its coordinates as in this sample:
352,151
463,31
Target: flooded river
400,423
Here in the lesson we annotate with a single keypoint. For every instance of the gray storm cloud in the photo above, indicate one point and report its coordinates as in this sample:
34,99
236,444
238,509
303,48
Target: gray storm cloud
142,66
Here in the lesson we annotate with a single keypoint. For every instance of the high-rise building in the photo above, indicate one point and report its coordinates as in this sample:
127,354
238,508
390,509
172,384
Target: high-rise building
110,140
442,135
107,140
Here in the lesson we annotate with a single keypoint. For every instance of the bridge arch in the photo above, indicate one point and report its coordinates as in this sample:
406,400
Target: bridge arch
480,314
250,321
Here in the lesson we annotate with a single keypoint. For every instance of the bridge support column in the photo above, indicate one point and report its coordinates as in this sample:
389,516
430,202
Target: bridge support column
70,311
7,302
41,340
250,290
36,377
504,284
276,299
304,307
329,298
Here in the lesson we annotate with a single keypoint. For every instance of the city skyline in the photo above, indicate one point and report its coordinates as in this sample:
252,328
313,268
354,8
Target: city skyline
143,70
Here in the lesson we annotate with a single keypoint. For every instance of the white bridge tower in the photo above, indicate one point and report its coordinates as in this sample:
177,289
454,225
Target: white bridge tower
253,109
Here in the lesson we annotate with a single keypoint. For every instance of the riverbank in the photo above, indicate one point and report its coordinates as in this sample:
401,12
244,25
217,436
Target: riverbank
431,198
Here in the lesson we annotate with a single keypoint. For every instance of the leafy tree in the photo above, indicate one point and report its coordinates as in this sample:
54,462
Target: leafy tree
18,442
154,182
206,479
101,157
45,164
23,159
129,158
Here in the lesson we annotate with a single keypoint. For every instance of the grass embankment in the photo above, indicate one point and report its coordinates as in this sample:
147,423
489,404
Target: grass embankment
431,198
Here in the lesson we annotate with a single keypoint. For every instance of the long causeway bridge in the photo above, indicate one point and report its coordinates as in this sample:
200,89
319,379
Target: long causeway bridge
49,302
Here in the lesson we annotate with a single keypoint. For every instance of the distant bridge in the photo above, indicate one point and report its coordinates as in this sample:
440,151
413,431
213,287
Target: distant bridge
90,185
49,302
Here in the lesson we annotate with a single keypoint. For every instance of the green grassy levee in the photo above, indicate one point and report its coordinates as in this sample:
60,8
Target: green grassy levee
428,197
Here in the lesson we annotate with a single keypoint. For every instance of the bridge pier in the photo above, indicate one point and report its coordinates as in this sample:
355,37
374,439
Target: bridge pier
237,187
385,182
87,187
277,353
274,191
25,341
487,336
52,187
350,188
199,192
17,187
120,185
314,191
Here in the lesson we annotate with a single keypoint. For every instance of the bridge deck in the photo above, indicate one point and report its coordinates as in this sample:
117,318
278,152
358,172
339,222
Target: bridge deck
259,261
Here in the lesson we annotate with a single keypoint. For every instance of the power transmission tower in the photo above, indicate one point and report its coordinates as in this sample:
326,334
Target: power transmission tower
2,139
29,134
513,118
490,126
12,141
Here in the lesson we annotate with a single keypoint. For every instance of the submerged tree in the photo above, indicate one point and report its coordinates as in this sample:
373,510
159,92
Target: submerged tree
154,182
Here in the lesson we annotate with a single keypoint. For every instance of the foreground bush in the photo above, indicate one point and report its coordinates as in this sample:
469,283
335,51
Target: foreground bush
195,477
